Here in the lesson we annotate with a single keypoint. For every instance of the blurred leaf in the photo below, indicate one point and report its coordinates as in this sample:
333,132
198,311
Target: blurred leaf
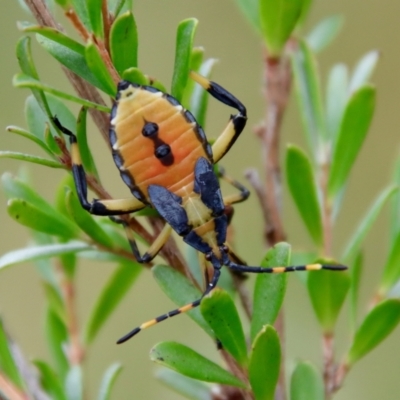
95,16
363,70
181,291
111,295
328,290
250,9
305,69
325,32
269,289
187,387
278,20
301,181
135,75
395,206
7,362
306,383
353,130
120,6
265,360
74,384
220,313
355,275
97,66
51,142
28,135
183,50
30,158
55,302
193,261
49,380
358,237
37,252
378,324
186,361
80,8
124,42
24,81
196,58
391,271
108,381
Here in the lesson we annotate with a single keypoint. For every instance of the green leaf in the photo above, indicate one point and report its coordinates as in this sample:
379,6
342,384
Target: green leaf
124,42
95,16
74,384
7,363
355,243
269,289
196,59
219,311
377,325
135,75
264,366
278,20
183,50
306,383
353,130
328,290
391,270
99,69
355,275
38,252
363,70
111,295
55,301
395,206
30,158
108,381
80,7
186,361
250,9
30,136
49,380
325,32
181,291
187,387
308,90
301,181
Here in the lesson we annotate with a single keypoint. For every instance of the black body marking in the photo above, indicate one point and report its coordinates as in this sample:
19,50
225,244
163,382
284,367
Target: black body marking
149,129
194,240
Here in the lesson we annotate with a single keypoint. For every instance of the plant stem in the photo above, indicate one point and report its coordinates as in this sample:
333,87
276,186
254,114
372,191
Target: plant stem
10,391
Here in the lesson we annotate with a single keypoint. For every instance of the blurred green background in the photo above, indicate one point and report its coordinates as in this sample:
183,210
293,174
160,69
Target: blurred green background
225,35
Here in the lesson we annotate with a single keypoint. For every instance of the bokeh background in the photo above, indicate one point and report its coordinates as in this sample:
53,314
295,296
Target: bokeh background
227,36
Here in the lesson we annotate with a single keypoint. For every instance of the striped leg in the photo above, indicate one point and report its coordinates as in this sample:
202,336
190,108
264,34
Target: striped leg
237,197
237,122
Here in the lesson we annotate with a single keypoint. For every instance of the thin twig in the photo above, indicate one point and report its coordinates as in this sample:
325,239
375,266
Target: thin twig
10,390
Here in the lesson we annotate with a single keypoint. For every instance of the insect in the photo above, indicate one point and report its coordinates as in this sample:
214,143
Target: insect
167,163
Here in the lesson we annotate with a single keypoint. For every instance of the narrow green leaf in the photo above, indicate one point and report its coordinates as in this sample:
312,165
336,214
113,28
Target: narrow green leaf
306,383
181,291
278,20
24,81
124,42
355,276
377,325
308,90
264,366
363,70
355,243
395,203
183,50
97,66
187,387
186,361
301,181
74,384
325,32
51,142
327,292
269,289
391,270
95,16
135,75
49,380
250,9
219,310
111,295
30,158
80,7
7,362
38,252
353,130
55,301
108,381
196,59
30,136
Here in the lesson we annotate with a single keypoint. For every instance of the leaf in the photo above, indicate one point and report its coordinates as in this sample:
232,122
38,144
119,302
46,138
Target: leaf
220,313
377,325
124,42
327,292
135,75
181,291
395,203
108,381
355,275
363,228
196,59
30,158
55,301
186,361
49,380
391,270
363,70
278,20
301,181
306,383
183,50
187,387
74,384
30,136
38,252
308,90
250,9
269,289
325,32
80,8
95,16
353,130
111,295
264,363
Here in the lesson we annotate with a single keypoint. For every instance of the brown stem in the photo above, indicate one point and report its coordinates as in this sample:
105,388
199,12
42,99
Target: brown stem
77,24
328,359
326,207
339,376
10,391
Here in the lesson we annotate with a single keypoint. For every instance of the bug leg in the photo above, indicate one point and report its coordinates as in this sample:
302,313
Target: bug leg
243,194
180,310
237,122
